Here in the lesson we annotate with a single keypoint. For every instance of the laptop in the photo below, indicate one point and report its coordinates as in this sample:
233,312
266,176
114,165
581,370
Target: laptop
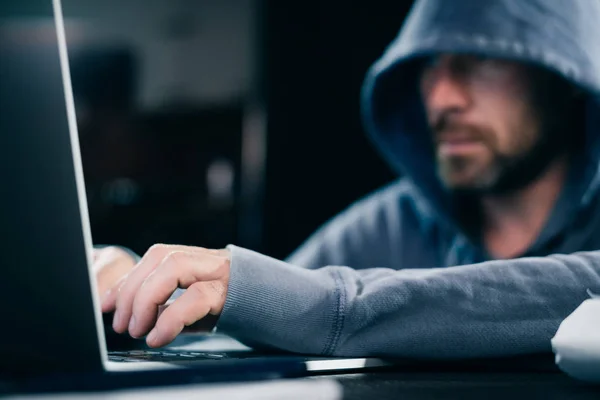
52,335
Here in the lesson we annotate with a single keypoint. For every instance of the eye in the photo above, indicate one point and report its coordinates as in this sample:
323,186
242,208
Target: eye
478,67
470,62
490,68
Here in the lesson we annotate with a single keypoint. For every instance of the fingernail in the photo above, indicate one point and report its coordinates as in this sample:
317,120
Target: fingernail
116,320
132,323
151,336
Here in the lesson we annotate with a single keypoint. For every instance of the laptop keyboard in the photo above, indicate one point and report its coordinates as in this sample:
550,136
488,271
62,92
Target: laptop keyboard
163,356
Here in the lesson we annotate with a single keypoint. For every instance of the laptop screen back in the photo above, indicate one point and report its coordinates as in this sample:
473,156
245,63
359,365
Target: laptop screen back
47,319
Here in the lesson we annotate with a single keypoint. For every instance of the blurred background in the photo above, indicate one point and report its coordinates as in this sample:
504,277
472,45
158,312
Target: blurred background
234,121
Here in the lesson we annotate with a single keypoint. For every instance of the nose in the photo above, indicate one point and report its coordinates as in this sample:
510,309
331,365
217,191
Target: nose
443,91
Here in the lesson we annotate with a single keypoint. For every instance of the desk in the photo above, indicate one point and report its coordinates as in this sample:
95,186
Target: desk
465,386
372,385
533,377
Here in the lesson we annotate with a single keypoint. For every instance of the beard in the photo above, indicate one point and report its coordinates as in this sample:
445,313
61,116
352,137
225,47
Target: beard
502,174
558,107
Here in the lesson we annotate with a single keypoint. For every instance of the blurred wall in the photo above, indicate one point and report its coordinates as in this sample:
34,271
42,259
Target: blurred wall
274,79
162,92
188,50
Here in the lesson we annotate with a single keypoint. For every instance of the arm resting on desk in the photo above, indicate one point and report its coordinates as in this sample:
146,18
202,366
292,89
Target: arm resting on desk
496,308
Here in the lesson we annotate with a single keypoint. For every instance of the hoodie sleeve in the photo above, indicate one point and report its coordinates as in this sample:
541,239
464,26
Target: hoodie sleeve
496,308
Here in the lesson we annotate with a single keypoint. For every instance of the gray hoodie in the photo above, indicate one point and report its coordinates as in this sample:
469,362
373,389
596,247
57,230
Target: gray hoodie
394,275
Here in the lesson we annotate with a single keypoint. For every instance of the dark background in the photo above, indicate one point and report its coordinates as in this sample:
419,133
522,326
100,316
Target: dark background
264,94
319,158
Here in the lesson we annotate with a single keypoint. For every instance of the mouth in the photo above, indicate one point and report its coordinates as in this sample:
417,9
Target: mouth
458,145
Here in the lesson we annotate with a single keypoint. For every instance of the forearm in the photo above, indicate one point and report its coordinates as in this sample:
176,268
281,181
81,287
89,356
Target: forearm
489,309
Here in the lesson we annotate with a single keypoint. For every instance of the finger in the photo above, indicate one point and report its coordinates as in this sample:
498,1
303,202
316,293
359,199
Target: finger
192,306
138,274
174,271
109,298
178,270
110,270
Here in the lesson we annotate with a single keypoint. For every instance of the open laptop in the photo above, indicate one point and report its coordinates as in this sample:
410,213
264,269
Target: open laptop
51,320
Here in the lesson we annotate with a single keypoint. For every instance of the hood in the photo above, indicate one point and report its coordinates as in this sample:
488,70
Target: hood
563,36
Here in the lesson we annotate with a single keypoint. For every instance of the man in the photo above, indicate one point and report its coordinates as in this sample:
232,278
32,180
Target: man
489,110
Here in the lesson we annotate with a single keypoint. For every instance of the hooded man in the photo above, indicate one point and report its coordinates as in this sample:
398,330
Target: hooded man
489,110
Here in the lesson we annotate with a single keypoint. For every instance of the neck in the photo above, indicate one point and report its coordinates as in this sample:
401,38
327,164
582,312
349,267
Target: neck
512,222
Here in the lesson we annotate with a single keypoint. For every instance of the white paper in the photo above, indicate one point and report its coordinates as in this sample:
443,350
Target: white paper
577,342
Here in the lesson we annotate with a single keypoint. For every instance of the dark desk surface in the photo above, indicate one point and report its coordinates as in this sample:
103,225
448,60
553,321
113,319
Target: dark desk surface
488,386
531,377
445,385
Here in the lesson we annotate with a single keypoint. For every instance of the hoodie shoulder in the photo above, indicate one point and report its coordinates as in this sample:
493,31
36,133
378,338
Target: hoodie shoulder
391,227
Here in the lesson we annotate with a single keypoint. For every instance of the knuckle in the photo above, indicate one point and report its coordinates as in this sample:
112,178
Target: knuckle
174,258
161,249
157,248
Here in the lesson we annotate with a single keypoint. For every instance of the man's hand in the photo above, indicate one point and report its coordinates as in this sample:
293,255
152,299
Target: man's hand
164,268
111,265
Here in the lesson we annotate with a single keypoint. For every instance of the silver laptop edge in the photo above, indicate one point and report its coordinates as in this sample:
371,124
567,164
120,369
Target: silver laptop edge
75,150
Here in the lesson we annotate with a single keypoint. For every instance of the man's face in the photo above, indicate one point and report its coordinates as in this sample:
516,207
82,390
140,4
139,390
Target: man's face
481,116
